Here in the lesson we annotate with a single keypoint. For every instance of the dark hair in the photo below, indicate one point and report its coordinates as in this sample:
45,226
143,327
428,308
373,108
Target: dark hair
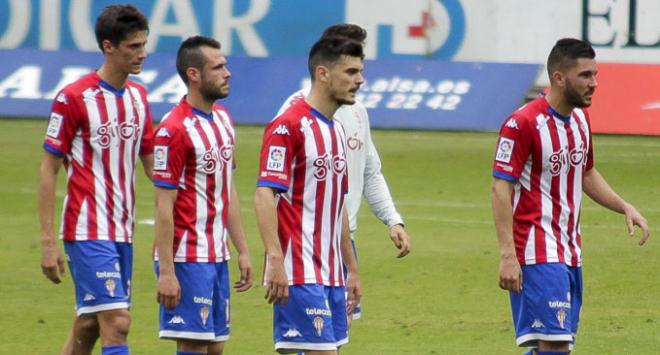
328,50
190,55
566,52
349,30
117,22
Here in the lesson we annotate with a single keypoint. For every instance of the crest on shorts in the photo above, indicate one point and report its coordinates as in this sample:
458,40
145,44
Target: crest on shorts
110,285
561,317
204,314
318,325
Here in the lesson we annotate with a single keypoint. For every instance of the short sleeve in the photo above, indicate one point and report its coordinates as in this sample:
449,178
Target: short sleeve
63,124
277,152
170,149
513,148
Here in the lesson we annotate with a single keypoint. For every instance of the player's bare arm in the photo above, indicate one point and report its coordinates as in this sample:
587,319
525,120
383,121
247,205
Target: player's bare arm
169,290
52,262
353,288
148,165
277,287
510,275
237,235
599,190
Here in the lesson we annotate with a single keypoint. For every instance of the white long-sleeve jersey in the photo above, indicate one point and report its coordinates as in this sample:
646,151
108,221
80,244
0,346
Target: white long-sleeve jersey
364,167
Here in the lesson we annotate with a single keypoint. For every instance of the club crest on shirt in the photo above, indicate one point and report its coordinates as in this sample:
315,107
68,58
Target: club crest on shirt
54,125
110,285
160,157
326,163
560,161
505,150
318,325
276,158
214,159
354,143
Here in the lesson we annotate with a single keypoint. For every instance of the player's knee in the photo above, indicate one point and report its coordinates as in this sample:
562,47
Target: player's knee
86,329
553,346
215,349
116,323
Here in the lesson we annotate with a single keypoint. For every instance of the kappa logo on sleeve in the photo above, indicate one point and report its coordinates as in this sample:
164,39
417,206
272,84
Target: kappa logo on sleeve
54,125
281,130
163,133
512,123
505,150
160,157
276,157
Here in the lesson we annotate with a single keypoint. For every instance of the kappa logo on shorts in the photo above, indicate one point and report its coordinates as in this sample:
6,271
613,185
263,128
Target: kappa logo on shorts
292,333
176,320
318,325
537,324
89,297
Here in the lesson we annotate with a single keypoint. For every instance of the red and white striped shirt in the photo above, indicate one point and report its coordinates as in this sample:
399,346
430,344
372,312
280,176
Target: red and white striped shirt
546,155
100,131
194,153
304,156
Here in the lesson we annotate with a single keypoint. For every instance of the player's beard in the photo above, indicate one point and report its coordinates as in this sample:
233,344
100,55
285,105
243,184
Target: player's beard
574,98
212,92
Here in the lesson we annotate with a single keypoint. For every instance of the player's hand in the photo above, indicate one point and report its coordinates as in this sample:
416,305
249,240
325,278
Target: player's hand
245,266
400,239
52,263
510,274
169,290
634,218
277,286
353,291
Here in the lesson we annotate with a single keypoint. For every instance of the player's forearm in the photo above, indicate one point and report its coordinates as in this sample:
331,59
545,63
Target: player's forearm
595,186
164,229
380,201
503,217
266,213
46,197
235,223
347,252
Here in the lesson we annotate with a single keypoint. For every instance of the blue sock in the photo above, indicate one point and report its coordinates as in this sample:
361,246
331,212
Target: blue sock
550,353
531,352
115,350
187,353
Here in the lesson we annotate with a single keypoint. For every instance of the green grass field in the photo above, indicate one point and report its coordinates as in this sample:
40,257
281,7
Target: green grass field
441,299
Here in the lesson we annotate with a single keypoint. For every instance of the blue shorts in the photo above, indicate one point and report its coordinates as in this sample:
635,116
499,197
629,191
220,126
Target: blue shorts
203,312
548,307
101,272
314,318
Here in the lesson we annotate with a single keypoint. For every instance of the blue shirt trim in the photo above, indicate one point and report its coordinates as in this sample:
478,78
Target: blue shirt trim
117,92
165,185
53,150
207,116
556,114
504,176
319,115
276,185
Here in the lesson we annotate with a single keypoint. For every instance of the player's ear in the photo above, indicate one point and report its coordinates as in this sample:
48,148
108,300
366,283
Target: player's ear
107,46
558,78
322,73
193,74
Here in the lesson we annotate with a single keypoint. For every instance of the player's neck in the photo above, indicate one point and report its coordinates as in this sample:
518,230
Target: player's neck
322,103
115,78
556,101
196,100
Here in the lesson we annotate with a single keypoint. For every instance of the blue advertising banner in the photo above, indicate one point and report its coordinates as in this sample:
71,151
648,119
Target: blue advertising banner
414,94
257,28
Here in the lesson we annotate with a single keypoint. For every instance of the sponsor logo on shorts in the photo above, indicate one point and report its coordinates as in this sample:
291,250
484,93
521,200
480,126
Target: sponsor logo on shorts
108,274
176,320
318,325
292,333
318,312
110,285
203,300
204,314
561,317
559,304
